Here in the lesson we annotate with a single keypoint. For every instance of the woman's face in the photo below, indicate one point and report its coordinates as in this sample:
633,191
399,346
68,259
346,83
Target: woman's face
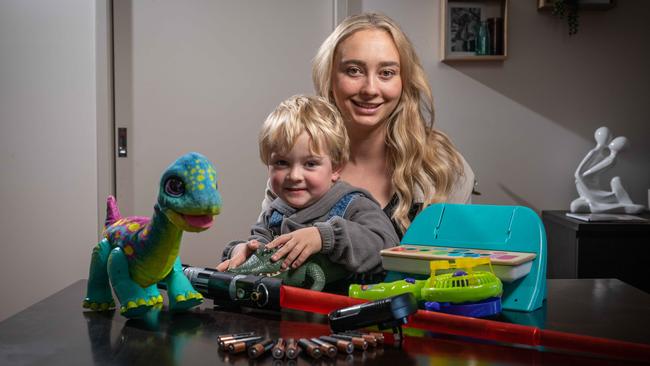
366,81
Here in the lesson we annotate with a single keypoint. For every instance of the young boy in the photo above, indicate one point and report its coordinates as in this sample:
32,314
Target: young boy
304,144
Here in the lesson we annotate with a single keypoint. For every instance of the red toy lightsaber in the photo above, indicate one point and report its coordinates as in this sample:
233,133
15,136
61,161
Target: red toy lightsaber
324,303
269,293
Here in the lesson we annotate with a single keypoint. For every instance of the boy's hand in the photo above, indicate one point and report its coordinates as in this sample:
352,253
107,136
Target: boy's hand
239,254
297,246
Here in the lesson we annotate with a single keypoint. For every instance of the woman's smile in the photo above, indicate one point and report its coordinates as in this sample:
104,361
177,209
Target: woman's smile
366,108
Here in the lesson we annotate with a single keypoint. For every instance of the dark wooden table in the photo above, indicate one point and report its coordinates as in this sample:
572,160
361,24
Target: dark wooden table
56,331
602,249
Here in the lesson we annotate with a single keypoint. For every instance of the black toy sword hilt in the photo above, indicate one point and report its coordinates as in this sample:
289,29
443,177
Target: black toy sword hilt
231,289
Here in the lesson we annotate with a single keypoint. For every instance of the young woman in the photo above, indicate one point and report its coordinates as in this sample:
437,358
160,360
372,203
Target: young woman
369,69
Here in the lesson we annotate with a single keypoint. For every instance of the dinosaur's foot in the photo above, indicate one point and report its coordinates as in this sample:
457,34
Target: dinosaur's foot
98,305
136,308
184,301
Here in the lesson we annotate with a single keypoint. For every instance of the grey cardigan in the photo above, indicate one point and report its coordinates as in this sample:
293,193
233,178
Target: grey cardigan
353,240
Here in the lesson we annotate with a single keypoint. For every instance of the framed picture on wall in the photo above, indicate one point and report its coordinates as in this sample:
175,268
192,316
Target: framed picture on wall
460,25
463,25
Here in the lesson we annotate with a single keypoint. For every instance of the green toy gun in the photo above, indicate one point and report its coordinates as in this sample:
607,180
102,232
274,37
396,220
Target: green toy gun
460,289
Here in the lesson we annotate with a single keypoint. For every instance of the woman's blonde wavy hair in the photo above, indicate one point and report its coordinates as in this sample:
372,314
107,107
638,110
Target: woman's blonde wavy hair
420,156
310,114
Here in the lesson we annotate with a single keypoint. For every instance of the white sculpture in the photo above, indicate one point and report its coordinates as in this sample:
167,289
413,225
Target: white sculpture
597,161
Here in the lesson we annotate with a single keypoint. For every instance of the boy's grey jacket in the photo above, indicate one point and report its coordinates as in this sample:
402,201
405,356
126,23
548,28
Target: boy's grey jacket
353,241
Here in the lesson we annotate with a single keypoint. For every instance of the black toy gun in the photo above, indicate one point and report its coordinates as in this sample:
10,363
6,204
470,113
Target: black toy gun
233,290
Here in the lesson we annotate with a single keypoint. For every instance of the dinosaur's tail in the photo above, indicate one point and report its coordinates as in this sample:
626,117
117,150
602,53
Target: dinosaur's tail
112,212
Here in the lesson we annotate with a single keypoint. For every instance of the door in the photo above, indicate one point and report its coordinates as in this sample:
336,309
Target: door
202,76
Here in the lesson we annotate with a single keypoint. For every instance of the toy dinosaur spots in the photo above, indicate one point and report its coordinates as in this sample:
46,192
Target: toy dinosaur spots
138,252
131,232
133,227
128,250
197,176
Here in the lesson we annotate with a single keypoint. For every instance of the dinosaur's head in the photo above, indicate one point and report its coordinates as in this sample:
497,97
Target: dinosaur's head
188,193
260,264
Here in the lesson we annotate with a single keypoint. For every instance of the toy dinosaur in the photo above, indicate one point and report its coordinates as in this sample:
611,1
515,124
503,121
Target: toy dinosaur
312,274
138,252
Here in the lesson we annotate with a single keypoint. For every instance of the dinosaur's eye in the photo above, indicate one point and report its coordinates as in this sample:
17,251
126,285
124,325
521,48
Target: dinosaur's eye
174,187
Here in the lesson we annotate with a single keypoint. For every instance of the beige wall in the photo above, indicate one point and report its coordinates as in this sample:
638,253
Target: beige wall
48,148
193,86
523,124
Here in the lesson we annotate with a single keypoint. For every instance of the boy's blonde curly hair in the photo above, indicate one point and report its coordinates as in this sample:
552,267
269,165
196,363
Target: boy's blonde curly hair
310,114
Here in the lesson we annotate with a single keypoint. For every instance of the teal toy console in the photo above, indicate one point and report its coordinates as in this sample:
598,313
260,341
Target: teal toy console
486,227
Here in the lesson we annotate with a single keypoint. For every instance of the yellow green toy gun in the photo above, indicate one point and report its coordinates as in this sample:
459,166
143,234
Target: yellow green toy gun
459,283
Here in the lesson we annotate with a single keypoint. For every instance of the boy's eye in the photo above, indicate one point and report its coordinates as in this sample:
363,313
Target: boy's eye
312,163
280,163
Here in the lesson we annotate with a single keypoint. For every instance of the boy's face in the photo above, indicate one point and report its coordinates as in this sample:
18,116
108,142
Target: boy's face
300,177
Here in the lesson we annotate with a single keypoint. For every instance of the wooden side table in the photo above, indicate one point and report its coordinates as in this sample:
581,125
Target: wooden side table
579,249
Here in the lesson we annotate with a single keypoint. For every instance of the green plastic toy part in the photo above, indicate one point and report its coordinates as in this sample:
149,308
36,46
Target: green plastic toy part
314,274
461,286
384,290
458,286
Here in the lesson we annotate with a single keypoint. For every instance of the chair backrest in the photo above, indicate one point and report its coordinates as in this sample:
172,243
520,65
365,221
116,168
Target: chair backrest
488,227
